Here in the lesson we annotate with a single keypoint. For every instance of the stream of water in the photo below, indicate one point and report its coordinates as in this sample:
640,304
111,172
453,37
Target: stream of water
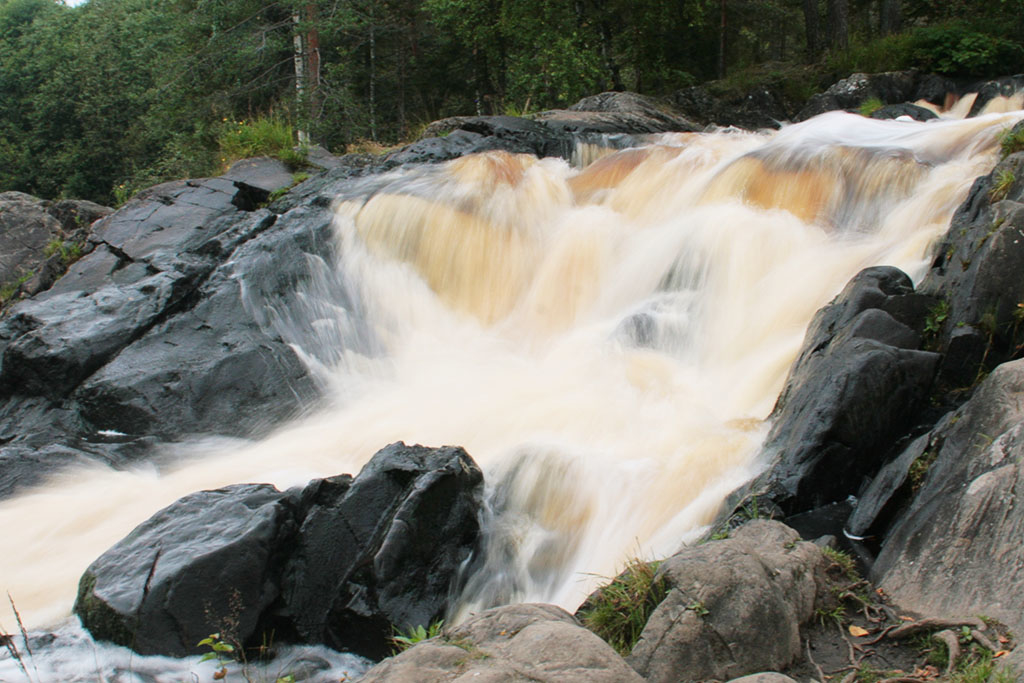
606,341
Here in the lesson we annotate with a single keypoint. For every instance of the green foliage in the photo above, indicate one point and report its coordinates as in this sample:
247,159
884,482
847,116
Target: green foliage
619,611
220,651
870,106
69,252
1001,184
1011,142
844,561
417,634
919,468
936,318
9,289
262,136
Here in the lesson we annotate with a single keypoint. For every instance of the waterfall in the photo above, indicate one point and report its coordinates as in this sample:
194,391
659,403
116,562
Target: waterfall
606,341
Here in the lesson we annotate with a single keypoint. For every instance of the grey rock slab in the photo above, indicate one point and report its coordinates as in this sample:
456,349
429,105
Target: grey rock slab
524,642
957,551
734,606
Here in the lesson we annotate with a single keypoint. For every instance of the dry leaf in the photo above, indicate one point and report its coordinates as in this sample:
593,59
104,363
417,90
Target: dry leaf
220,674
1003,639
905,618
1001,653
857,631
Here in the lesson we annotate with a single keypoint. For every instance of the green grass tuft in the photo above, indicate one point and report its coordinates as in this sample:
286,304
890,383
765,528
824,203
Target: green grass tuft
619,611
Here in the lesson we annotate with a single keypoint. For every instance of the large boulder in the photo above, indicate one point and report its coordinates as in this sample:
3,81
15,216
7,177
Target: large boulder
340,562
891,87
956,551
524,642
170,326
858,383
734,606
752,108
39,239
977,321
386,552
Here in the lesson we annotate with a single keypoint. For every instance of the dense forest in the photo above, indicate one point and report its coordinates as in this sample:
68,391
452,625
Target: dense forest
104,98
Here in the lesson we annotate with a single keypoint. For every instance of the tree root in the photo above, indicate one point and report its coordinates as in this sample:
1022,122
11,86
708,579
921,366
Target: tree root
953,643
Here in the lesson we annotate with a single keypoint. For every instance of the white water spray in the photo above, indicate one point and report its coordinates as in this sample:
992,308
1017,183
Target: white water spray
604,341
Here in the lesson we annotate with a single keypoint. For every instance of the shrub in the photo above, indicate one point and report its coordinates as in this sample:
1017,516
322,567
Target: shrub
619,611
263,136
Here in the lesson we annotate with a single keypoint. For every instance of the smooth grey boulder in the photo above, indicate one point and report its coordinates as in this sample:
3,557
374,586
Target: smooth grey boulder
339,562
957,551
734,606
525,642
767,677
858,383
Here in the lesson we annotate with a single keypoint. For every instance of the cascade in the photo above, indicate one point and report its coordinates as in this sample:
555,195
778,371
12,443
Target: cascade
606,340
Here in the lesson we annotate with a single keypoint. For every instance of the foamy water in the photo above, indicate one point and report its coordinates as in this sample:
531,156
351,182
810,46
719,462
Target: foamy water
605,342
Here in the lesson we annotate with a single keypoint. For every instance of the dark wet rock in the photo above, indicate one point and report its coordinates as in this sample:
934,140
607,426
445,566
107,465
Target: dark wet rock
850,93
858,384
989,90
26,228
340,562
895,111
754,108
974,277
176,323
261,173
956,551
394,543
208,557
471,134
617,112
523,642
734,607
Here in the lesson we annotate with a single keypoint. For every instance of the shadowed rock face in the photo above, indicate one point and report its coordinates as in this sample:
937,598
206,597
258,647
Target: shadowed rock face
340,562
858,384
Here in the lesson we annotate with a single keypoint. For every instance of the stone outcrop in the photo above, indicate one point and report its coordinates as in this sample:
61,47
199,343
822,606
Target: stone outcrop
341,561
734,607
526,642
38,240
956,550
857,385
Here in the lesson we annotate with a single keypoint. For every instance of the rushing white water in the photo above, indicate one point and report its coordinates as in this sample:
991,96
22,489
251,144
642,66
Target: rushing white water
606,342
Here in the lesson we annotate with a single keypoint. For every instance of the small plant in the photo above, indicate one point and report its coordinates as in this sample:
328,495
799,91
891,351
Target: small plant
69,252
825,616
698,608
1011,142
935,318
843,561
919,468
220,651
870,106
8,290
403,640
1001,184
619,611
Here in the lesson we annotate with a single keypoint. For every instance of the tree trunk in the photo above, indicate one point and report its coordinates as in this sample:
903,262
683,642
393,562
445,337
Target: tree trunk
721,40
812,27
299,58
839,24
890,19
